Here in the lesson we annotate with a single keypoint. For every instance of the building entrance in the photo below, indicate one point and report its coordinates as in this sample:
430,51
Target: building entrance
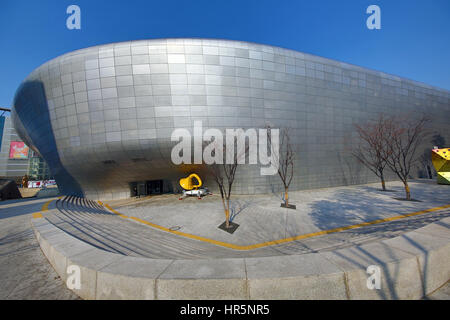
145,188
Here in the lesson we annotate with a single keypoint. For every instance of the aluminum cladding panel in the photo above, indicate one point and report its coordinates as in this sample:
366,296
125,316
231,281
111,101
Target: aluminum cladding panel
106,113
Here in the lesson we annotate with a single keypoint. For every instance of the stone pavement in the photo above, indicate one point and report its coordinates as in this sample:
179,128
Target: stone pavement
411,266
26,274
442,293
88,221
261,219
24,271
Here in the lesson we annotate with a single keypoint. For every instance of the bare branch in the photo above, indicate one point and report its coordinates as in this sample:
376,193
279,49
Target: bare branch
285,157
401,140
372,143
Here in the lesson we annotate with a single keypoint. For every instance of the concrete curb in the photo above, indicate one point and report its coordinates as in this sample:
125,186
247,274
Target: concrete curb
412,265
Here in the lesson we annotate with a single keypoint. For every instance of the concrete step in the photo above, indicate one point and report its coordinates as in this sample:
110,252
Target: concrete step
92,223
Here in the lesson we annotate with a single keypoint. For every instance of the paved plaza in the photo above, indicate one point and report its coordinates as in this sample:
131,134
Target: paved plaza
24,271
148,228
164,227
261,219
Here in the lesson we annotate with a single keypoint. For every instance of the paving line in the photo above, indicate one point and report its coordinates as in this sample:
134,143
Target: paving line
274,242
38,215
112,210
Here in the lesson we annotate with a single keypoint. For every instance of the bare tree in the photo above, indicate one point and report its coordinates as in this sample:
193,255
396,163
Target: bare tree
402,137
224,177
369,151
224,173
286,156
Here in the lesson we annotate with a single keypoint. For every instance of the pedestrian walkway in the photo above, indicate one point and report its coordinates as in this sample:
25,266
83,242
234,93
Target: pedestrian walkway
24,271
123,234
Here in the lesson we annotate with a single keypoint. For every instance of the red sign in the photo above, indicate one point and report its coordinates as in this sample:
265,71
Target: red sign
18,150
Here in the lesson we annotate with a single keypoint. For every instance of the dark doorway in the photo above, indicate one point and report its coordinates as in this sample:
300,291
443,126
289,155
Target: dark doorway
145,188
155,187
133,189
141,190
138,189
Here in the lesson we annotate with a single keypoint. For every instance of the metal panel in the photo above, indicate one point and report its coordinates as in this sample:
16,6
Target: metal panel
91,113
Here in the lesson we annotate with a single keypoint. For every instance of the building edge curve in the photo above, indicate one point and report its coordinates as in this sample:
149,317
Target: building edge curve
102,116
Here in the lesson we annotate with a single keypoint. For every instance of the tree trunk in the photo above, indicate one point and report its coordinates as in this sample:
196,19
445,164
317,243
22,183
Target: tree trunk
227,218
227,213
383,183
286,196
408,192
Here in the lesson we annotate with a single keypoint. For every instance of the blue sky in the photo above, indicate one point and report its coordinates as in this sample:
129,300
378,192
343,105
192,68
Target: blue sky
414,41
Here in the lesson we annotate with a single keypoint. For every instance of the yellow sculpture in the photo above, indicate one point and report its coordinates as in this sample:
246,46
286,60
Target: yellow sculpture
187,183
190,188
441,162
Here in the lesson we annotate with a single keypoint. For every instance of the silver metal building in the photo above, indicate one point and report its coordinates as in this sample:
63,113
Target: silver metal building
102,117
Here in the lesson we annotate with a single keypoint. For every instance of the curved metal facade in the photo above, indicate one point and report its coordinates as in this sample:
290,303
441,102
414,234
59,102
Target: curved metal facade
102,117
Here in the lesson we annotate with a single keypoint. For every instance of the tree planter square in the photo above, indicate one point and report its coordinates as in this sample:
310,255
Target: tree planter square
291,206
231,229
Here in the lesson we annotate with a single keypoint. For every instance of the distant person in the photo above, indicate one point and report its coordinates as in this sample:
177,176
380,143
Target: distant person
25,181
